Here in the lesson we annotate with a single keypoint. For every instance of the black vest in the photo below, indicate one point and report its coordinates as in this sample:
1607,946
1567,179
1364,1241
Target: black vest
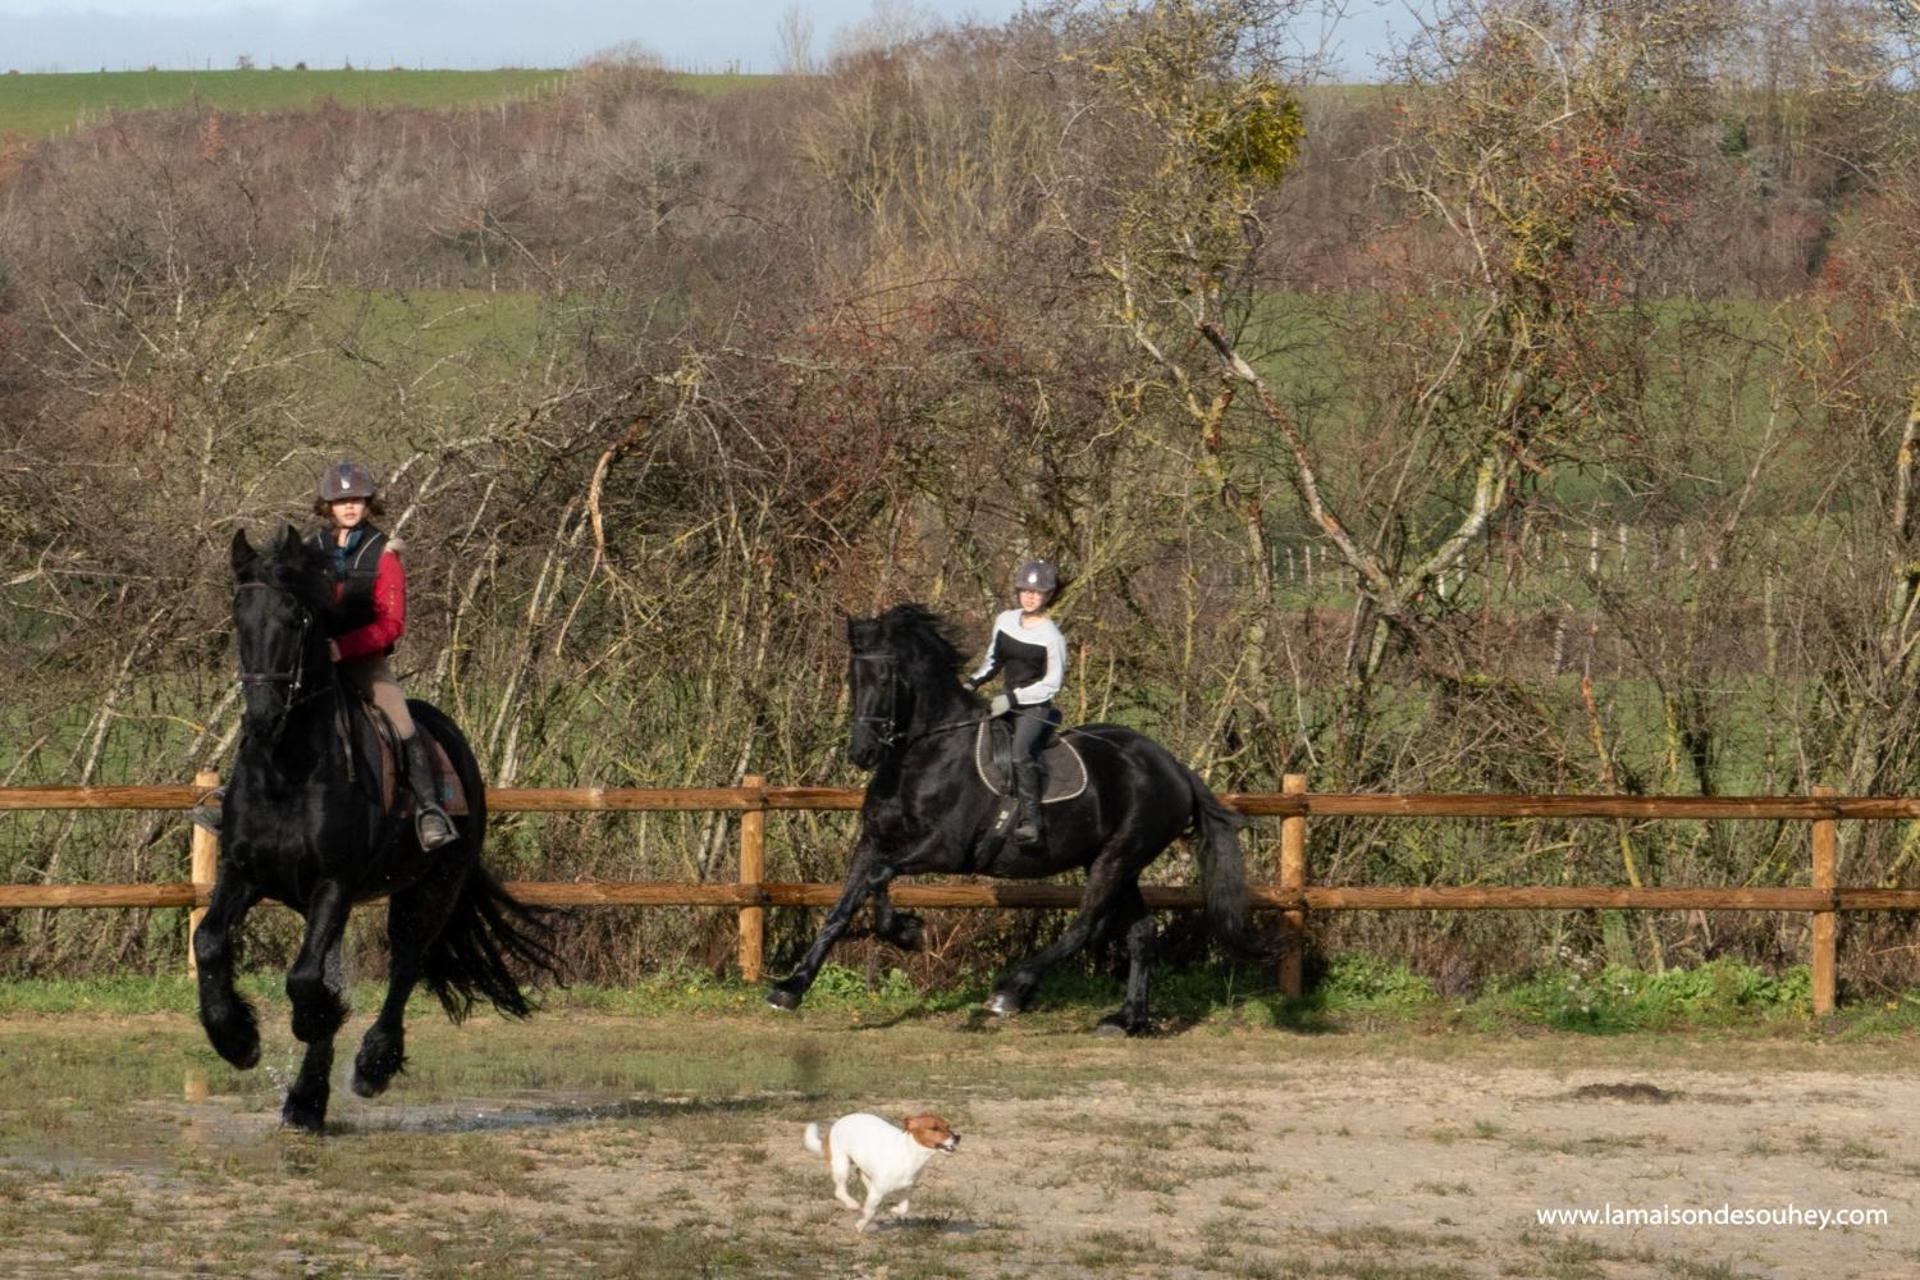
354,607
1021,662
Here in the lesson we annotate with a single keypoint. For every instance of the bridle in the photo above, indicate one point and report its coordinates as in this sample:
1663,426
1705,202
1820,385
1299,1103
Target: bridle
891,735
294,678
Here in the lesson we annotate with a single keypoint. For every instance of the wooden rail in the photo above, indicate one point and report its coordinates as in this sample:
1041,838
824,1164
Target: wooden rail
1293,896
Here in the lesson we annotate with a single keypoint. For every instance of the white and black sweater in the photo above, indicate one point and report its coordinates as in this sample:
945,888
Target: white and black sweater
1033,658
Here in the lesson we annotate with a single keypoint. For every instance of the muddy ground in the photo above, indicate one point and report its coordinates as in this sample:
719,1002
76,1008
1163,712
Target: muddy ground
592,1145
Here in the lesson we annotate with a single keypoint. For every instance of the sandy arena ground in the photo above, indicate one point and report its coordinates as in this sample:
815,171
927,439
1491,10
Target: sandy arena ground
583,1145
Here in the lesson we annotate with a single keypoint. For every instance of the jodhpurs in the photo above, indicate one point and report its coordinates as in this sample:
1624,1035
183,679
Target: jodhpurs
376,683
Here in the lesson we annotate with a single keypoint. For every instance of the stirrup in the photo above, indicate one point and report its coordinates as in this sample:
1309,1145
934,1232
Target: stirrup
1030,831
432,827
205,813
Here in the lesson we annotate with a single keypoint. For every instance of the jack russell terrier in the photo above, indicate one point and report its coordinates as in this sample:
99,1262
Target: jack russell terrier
888,1159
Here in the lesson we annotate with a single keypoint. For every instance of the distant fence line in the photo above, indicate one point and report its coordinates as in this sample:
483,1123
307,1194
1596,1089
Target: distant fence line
1292,895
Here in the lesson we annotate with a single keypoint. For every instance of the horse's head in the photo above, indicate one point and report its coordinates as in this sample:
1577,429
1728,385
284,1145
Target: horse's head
280,601
873,689
898,664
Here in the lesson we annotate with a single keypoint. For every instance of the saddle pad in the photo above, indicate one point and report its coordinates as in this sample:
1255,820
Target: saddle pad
452,797
1066,772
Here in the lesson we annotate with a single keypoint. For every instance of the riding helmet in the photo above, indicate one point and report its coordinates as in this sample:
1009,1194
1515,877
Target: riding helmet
345,480
1036,575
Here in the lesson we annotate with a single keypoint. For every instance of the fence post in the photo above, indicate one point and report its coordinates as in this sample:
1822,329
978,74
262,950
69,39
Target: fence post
204,856
1293,877
1826,924
753,868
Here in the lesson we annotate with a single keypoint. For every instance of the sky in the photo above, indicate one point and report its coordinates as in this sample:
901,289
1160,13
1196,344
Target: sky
86,35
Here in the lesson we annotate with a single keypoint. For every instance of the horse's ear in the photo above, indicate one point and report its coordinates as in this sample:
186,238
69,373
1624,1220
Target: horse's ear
244,557
285,540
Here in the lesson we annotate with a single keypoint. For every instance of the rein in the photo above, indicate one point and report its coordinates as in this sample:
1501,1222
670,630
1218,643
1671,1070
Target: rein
892,736
296,677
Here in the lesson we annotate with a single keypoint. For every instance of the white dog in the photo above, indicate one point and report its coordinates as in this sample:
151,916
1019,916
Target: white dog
888,1159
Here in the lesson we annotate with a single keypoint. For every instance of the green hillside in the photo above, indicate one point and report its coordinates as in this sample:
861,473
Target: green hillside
35,105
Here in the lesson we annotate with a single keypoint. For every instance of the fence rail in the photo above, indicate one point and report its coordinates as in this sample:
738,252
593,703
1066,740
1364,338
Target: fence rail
1293,896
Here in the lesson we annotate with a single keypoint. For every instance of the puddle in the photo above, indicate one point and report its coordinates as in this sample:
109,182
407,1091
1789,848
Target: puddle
932,1225
1627,1091
541,1111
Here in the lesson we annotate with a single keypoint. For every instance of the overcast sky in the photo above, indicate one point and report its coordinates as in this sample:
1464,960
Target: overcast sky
85,35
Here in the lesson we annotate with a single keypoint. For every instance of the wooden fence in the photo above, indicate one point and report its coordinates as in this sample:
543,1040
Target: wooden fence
1293,895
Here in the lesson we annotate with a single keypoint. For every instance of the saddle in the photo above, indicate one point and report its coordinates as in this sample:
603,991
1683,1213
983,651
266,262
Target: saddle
993,754
372,741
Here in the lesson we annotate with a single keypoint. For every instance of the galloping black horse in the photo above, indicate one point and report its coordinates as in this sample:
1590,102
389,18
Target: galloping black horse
926,810
302,823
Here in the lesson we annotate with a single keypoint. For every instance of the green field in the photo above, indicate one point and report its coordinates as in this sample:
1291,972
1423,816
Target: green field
36,105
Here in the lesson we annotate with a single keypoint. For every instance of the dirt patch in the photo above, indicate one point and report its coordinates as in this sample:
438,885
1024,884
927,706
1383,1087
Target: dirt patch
556,1148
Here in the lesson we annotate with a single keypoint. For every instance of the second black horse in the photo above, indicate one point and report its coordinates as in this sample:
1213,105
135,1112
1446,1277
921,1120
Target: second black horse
926,810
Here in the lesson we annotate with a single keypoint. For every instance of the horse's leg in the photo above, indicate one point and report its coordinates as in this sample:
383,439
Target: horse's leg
305,1107
227,1017
1109,882
903,929
868,873
415,918
1132,1017
318,1009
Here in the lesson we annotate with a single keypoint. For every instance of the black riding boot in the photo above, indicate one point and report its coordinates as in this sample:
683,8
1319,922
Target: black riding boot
1029,784
430,821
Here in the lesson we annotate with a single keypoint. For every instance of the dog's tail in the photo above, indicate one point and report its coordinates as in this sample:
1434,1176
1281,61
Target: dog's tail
813,1142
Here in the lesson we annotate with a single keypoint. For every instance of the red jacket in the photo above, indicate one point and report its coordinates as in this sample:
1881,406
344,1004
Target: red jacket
389,612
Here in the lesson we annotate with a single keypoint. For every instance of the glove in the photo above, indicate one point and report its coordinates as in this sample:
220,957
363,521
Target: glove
1000,705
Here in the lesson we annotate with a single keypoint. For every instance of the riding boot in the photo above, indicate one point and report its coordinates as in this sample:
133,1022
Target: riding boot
1029,784
430,821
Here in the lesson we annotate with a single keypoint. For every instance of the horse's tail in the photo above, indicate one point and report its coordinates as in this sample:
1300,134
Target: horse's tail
1223,871
490,938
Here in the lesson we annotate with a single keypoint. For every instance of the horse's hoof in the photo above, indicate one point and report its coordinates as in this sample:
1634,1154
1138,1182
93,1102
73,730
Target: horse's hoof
363,1087
909,932
304,1117
1001,1005
784,1000
241,1048
381,1058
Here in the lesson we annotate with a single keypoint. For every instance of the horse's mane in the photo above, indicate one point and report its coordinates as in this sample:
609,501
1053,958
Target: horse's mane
298,569
919,630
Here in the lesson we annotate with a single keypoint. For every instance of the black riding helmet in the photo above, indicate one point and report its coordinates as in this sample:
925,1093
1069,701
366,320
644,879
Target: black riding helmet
1036,575
345,480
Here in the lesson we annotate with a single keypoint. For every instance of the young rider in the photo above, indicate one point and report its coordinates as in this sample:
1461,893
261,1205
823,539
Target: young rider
370,615
1028,649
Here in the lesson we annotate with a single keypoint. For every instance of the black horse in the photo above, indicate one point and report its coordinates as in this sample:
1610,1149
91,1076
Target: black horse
302,823
926,810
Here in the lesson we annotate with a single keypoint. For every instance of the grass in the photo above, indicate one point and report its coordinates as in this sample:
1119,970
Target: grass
1360,993
33,106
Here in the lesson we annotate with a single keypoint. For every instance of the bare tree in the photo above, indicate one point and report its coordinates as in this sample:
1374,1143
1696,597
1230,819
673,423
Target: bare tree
793,38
